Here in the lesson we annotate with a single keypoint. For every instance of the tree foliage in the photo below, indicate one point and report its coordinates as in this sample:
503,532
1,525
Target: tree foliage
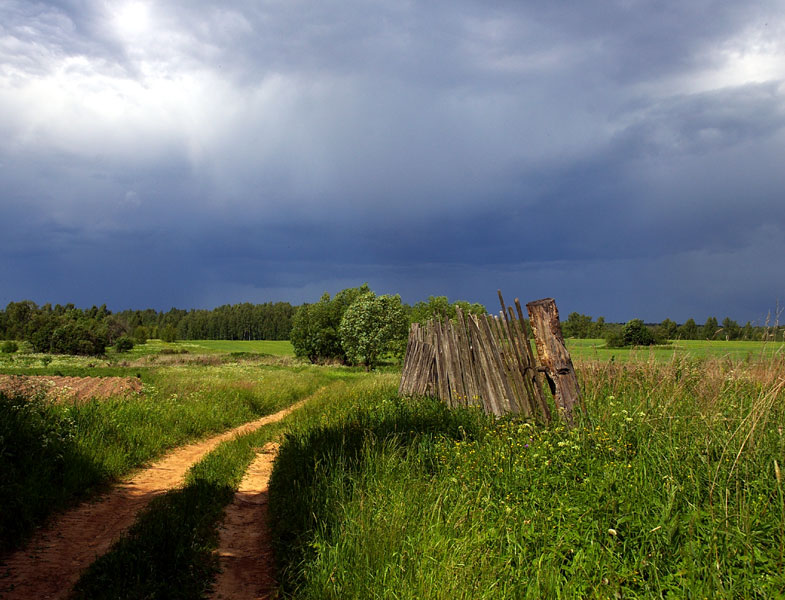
124,344
439,307
370,326
577,326
710,328
633,333
669,329
315,326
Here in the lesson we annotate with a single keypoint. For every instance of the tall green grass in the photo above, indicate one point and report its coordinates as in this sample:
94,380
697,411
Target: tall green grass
670,486
169,552
55,454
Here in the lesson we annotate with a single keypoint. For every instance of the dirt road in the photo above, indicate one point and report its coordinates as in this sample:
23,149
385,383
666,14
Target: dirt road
247,565
57,555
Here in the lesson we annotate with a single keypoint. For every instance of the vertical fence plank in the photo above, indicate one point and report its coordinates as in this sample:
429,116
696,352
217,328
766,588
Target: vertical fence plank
554,355
539,397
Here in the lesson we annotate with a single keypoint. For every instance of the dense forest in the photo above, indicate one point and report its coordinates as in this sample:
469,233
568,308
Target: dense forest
269,321
66,329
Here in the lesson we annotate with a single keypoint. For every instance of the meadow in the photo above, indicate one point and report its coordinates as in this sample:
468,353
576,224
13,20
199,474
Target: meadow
594,349
670,485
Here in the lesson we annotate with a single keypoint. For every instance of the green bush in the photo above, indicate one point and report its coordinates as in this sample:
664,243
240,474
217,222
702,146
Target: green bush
124,344
76,338
141,334
168,334
633,333
9,347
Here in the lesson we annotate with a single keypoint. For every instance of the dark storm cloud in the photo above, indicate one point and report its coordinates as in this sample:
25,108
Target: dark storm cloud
623,157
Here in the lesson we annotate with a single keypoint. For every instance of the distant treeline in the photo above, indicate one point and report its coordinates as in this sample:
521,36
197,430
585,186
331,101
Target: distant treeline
66,329
584,326
268,321
71,330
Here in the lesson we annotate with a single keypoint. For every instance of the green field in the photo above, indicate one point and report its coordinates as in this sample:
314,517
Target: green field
271,347
139,356
594,349
670,486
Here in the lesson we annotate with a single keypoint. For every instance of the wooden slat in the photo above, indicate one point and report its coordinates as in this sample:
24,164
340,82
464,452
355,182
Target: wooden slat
554,355
532,373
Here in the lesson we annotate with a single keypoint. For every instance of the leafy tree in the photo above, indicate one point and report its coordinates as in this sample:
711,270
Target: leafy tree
577,326
168,333
315,332
598,328
140,334
18,317
76,338
710,328
370,326
689,331
124,344
730,329
9,347
439,307
315,326
40,331
635,333
669,329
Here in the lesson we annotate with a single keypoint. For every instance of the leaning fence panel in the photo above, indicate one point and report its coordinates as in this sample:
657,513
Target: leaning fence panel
487,361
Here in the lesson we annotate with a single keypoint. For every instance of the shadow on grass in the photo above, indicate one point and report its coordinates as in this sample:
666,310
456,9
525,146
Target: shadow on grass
42,468
168,553
315,468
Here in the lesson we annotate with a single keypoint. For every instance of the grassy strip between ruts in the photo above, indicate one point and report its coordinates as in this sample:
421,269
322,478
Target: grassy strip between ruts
672,488
52,455
169,552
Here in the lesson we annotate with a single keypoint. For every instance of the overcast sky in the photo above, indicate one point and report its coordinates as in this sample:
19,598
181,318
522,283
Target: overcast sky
626,158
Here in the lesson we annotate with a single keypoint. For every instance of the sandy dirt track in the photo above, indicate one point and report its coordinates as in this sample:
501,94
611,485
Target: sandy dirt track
245,552
52,562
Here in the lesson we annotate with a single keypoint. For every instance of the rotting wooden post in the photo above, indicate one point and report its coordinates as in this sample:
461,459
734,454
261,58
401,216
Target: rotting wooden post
544,318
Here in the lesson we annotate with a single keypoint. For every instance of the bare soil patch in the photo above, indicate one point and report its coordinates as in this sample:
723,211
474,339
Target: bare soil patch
245,550
58,554
58,388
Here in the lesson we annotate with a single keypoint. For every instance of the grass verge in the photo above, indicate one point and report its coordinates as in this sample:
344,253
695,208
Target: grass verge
672,488
52,455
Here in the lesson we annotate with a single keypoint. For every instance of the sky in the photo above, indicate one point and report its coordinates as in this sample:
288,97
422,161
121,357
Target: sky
626,158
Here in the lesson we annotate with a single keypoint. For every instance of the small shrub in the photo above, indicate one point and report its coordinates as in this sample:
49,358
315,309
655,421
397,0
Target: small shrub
9,347
614,340
124,344
141,334
633,333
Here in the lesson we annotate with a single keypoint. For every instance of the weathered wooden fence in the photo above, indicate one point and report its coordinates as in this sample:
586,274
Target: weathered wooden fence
488,361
